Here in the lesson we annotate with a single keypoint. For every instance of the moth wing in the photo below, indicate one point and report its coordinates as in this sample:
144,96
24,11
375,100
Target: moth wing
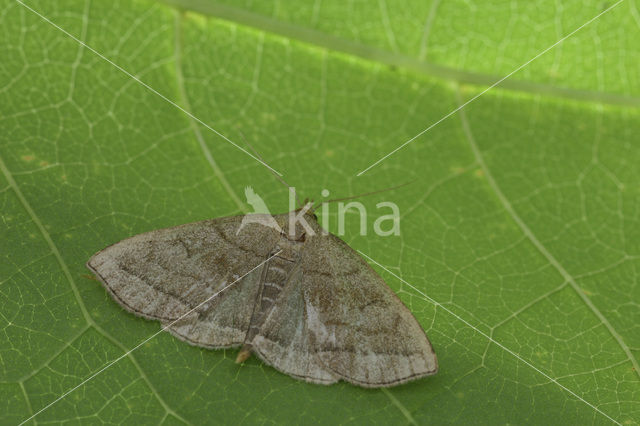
359,329
166,273
283,340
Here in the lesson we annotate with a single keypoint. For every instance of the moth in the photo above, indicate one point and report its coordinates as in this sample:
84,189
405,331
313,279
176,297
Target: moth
314,309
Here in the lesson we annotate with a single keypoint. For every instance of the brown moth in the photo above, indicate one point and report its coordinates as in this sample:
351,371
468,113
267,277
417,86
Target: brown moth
314,310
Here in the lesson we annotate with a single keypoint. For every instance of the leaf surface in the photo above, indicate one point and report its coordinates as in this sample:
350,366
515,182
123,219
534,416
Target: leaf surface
520,234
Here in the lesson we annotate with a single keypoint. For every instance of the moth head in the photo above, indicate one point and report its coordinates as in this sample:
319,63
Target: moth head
300,224
310,209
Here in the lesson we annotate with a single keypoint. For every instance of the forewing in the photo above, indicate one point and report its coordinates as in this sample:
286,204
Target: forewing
283,340
359,329
165,274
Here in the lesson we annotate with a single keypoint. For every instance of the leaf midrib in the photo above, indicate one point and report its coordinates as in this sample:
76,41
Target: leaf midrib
388,58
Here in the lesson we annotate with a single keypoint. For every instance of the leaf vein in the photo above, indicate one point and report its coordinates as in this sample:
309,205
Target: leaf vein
534,240
184,100
45,235
395,401
143,375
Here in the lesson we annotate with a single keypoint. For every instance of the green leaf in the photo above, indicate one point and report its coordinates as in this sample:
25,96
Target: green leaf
520,234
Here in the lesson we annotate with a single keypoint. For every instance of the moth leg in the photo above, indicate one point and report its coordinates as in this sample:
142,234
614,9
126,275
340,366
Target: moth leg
244,354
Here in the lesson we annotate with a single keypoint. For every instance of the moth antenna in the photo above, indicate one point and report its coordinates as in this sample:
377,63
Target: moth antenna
280,179
306,202
366,194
